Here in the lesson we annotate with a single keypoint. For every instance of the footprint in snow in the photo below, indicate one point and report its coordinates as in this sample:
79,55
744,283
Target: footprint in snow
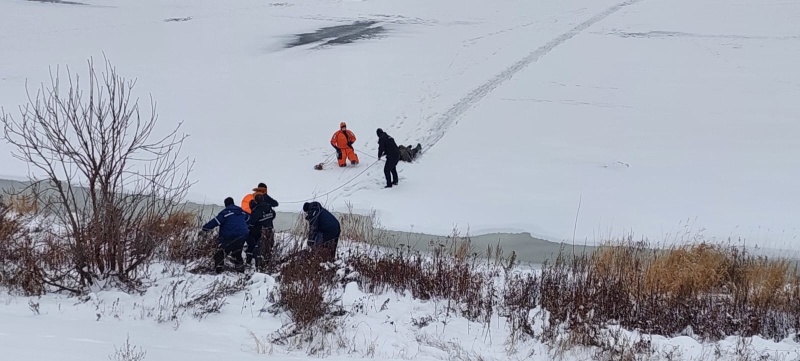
617,165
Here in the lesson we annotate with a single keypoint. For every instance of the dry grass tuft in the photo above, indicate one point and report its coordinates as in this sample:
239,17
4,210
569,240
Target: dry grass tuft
689,270
21,203
177,232
361,228
712,291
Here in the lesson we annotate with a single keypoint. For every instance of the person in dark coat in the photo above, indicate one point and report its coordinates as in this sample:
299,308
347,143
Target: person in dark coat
323,230
388,147
408,154
233,230
261,217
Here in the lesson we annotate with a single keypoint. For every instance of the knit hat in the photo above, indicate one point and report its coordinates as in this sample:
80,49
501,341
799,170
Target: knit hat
306,206
342,125
228,201
379,131
262,188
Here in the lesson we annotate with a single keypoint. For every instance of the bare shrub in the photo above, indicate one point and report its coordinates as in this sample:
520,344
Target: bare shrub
361,228
105,172
520,296
439,275
128,352
178,298
20,265
305,284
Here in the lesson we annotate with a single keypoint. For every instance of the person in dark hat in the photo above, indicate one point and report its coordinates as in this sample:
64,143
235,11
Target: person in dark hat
387,146
261,227
233,230
261,188
323,230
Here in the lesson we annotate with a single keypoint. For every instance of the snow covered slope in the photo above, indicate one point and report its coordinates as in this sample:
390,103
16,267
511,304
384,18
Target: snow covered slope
661,117
180,316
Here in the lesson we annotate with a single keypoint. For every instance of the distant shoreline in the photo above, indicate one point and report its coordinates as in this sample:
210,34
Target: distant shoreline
528,249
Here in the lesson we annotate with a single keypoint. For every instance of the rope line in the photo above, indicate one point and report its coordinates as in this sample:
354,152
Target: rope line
330,159
362,153
335,189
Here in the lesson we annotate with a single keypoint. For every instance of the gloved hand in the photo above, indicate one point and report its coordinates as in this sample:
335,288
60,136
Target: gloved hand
317,238
350,144
338,153
202,233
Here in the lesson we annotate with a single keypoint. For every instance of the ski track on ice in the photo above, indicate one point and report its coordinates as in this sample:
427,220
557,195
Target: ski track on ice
441,126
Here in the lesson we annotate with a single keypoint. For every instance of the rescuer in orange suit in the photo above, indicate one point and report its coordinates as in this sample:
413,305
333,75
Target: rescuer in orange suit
343,141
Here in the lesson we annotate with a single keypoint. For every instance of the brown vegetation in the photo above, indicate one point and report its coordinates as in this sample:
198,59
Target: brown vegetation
107,180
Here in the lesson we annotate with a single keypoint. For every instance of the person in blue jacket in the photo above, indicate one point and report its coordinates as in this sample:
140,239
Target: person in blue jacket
233,231
323,230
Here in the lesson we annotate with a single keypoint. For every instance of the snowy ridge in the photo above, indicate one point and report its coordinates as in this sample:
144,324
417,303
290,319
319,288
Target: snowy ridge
184,315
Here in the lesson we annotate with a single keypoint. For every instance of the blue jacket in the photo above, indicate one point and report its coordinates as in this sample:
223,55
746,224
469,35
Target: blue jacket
322,221
232,222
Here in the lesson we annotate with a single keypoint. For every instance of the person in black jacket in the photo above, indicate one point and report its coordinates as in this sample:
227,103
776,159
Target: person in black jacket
261,217
388,147
323,230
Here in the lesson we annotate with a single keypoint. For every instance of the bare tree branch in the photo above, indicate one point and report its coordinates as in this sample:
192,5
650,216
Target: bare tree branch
105,173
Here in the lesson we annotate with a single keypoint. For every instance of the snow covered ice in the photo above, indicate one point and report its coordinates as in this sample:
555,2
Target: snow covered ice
669,119
655,116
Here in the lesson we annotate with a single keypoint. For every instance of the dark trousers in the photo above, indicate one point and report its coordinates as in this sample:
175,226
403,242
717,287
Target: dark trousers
326,250
325,245
232,247
260,243
390,170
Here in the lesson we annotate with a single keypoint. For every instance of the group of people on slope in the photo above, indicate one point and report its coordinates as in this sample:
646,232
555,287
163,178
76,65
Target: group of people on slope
251,222
343,139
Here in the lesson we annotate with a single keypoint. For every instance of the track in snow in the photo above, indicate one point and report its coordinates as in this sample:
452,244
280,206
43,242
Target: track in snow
440,127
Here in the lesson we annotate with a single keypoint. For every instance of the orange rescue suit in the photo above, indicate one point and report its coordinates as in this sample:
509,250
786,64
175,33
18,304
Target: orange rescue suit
342,140
251,196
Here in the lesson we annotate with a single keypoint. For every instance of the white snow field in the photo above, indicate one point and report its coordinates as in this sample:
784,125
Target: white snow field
672,119
666,119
